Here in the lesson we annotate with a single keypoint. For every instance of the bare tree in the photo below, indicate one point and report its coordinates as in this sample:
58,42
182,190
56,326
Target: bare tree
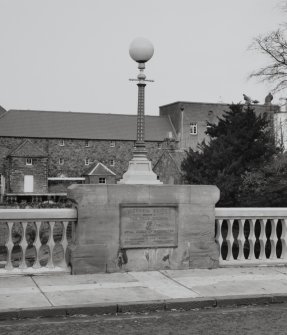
274,46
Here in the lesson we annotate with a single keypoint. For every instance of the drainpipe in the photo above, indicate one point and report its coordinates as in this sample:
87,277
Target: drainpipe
181,125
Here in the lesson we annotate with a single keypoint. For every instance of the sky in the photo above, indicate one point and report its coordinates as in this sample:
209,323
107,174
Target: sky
73,55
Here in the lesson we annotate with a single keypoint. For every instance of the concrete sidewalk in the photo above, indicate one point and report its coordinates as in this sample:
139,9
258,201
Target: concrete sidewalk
62,295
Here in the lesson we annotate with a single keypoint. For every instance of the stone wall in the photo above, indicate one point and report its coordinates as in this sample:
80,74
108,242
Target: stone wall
18,169
143,227
73,153
95,179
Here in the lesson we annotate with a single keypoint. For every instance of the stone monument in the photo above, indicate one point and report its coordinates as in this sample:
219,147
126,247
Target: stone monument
140,224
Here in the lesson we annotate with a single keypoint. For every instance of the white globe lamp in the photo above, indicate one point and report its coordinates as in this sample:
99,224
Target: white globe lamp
141,50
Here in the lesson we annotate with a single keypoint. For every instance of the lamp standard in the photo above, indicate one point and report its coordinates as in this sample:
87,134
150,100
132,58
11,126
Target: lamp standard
140,170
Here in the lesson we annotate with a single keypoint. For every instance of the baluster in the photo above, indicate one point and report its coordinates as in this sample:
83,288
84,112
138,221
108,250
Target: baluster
229,240
262,239
9,245
37,245
273,238
251,239
23,245
240,240
64,242
218,237
283,239
51,244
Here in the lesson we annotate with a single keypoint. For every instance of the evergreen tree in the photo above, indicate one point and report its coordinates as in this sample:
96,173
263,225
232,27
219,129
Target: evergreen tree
266,186
241,141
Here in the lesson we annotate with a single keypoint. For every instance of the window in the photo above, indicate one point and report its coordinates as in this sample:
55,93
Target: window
87,144
102,180
87,161
61,161
61,143
193,128
29,161
112,162
112,144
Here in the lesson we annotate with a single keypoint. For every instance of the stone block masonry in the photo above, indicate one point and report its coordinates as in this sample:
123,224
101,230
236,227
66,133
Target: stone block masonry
74,153
18,169
144,227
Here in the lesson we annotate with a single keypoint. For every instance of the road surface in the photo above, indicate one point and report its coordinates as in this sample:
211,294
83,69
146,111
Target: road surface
271,319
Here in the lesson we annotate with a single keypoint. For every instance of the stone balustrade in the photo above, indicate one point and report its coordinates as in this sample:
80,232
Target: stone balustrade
251,236
35,240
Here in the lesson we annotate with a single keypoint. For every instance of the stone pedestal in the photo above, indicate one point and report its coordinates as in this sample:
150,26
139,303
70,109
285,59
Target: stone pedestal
144,227
139,172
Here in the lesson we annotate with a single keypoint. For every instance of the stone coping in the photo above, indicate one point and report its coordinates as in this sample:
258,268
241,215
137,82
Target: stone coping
37,214
248,213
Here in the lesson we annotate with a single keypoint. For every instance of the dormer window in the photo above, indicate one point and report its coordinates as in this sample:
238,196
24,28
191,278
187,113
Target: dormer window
29,161
61,143
193,128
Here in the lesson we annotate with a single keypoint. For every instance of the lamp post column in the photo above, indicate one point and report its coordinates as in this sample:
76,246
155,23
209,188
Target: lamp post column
140,118
140,169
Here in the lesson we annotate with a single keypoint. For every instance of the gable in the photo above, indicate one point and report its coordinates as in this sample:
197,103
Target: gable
27,149
99,169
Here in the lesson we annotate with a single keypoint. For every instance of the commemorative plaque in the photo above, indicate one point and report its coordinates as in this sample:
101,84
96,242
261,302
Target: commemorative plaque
144,226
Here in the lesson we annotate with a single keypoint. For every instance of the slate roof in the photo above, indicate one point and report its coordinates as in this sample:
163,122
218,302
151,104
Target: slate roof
27,149
99,169
46,124
2,110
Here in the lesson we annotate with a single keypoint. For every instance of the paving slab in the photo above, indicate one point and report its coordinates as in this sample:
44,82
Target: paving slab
164,285
68,280
96,296
228,282
20,292
139,291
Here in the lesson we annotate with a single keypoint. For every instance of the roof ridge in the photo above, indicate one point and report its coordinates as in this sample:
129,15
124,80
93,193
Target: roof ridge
82,113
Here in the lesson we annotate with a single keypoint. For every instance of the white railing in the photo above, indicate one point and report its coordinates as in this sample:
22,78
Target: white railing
251,236
35,240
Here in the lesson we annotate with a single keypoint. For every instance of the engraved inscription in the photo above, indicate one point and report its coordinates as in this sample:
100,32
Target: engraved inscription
148,226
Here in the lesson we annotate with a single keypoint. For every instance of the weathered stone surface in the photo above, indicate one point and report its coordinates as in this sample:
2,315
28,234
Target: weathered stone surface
99,222
89,258
148,226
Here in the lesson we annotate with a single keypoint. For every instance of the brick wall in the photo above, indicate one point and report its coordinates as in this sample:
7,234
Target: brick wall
200,113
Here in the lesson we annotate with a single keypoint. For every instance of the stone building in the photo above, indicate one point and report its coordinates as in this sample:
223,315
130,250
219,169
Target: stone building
70,144
27,169
43,152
